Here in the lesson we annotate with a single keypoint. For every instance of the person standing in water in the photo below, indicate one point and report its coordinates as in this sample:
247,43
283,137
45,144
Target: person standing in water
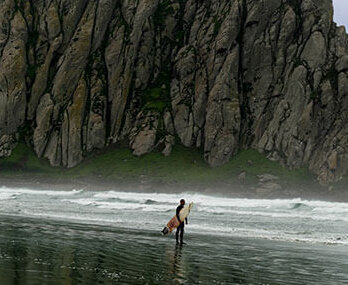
180,229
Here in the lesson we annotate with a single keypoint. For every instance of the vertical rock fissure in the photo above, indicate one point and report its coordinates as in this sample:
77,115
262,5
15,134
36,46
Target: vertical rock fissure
244,102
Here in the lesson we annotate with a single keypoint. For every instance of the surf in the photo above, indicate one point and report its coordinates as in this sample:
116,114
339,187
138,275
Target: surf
291,220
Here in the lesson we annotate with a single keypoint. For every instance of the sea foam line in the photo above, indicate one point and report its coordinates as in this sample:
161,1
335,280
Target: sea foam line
24,191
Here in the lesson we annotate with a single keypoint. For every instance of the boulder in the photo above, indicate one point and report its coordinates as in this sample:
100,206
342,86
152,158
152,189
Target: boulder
144,142
342,63
242,175
169,143
267,177
7,144
333,161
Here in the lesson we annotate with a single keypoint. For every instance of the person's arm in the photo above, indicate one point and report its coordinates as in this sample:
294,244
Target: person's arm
186,221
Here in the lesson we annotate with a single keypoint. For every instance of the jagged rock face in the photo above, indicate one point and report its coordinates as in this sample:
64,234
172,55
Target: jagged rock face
221,75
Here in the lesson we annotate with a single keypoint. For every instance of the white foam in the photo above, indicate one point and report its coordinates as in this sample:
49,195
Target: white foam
139,197
119,205
212,201
277,209
288,219
7,196
23,191
81,201
278,215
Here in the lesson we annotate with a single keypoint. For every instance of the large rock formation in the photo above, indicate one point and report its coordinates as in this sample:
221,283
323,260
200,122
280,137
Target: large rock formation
221,75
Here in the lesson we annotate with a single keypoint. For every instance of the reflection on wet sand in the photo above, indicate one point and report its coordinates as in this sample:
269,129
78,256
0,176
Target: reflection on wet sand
179,269
46,252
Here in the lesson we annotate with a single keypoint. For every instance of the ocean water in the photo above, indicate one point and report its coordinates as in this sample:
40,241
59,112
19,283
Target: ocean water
113,237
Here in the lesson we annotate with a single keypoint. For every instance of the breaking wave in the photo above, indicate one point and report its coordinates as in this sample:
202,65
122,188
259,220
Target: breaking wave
280,219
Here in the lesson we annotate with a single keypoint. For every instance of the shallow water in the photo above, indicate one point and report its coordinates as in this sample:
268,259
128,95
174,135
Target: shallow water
83,237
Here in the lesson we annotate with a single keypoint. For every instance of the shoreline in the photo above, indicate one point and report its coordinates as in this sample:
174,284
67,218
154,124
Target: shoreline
227,190
116,229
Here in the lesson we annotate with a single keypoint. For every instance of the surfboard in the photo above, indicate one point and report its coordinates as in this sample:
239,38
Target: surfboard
174,222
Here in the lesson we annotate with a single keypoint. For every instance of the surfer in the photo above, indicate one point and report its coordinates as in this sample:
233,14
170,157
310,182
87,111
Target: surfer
180,228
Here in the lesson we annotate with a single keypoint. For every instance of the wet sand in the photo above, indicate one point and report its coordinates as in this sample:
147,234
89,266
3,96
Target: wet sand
52,252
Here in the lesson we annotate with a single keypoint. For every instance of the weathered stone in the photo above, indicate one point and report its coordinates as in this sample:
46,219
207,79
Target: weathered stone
74,120
41,79
333,160
95,131
267,177
52,21
169,142
223,119
242,175
12,76
342,63
73,63
218,75
314,52
7,144
104,12
168,123
43,124
144,142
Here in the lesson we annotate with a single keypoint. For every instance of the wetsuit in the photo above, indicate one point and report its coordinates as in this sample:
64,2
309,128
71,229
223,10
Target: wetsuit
180,229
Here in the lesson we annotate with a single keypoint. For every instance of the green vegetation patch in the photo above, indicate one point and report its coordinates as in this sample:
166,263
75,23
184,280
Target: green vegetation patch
156,99
184,165
24,160
164,9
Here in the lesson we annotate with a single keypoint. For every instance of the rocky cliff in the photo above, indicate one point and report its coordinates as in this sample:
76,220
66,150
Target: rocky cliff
221,75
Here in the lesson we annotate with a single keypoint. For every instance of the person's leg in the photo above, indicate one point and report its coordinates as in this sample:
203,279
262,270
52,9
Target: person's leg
177,234
178,229
182,235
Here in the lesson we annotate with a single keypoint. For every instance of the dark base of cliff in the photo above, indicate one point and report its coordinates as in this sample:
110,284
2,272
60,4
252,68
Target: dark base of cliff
248,175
